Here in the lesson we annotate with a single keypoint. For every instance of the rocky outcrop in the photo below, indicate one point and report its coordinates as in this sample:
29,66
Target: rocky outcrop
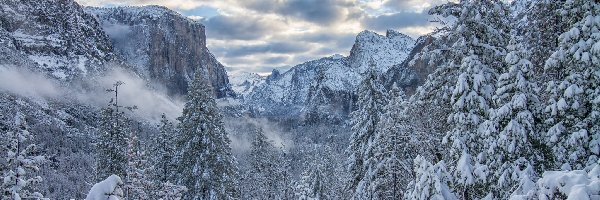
163,46
53,36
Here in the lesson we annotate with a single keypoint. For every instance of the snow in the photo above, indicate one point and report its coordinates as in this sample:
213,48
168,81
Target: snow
243,83
575,184
108,189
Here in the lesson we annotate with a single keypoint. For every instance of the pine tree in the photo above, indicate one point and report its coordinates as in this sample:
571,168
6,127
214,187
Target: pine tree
371,100
481,35
516,144
431,182
163,150
572,108
205,164
138,184
23,159
312,185
388,171
112,143
262,174
284,184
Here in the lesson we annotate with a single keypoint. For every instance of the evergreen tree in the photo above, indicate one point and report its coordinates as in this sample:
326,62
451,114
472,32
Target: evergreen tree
572,108
23,159
205,164
516,144
163,150
371,100
312,185
284,184
112,143
388,171
481,35
262,179
138,184
431,182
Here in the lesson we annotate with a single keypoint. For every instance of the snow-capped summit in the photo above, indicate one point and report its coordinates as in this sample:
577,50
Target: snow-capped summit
331,80
243,83
384,51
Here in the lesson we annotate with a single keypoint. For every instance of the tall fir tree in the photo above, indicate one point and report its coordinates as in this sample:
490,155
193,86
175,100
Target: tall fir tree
112,141
371,99
138,184
389,170
516,143
23,159
480,35
163,151
262,175
204,161
572,109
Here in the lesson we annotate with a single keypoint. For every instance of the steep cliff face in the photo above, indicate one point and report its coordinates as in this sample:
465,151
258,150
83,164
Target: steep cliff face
163,46
326,87
413,71
53,36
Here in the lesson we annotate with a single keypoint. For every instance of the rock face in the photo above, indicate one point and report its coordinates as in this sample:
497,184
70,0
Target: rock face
163,46
413,71
326,87
53,36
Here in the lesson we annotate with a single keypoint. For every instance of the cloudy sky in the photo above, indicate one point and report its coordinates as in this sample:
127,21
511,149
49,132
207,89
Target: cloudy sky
260,35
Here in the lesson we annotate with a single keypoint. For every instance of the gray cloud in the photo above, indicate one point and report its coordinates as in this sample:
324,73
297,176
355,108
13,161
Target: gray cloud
275,47
395,21
322,12
237,27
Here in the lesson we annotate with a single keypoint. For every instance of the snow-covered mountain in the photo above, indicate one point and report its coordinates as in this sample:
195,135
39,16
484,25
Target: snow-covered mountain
163,46
331,80
243,83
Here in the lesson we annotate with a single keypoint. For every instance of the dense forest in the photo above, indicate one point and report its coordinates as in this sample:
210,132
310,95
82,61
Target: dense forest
510,111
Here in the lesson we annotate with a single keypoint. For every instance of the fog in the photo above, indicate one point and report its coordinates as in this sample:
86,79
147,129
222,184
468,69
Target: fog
151,102
26,83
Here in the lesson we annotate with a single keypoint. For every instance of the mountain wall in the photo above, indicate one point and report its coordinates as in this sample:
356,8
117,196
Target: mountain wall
166,48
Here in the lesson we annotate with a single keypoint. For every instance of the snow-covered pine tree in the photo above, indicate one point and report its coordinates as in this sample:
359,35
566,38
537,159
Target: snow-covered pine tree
482,33
516,144
262,176
204,161
312,185
285,189
541,29
572,109
163,151
112,144
138,184
22,161
431,182
389,170
371,100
